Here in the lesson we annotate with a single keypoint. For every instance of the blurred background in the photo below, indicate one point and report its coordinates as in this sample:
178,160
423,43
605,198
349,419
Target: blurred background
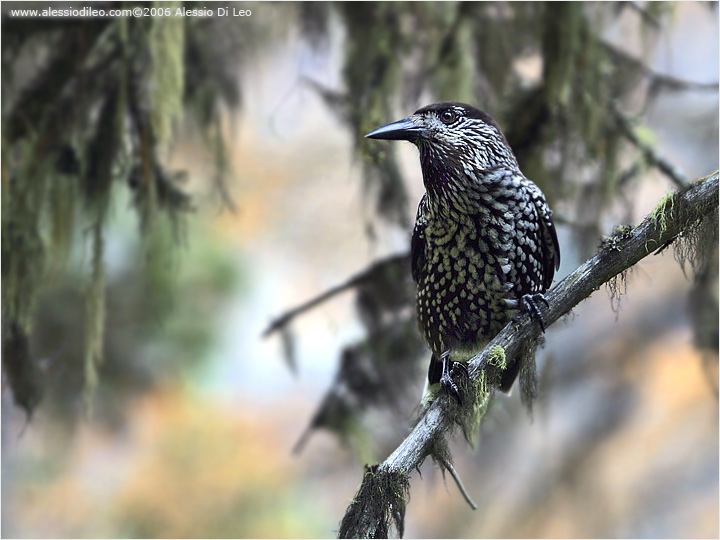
173,186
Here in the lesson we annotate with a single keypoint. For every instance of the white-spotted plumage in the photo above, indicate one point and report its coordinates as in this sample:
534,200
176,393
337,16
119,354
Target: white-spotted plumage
483,220
483,237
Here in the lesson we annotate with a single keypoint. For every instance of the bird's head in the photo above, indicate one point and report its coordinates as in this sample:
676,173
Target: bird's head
452,132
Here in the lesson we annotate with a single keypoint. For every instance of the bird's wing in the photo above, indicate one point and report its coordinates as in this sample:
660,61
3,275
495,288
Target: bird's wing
551,252
417,245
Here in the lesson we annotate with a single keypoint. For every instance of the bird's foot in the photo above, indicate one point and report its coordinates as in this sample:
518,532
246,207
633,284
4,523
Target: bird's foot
529,304
452,370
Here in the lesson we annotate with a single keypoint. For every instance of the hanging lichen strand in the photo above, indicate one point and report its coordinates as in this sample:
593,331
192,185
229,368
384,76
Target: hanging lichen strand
166,77
94,316
374,71
84,115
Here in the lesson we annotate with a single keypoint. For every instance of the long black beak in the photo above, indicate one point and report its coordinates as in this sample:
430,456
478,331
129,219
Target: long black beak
402,130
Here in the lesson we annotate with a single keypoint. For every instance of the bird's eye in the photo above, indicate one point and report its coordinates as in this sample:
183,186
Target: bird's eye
447,116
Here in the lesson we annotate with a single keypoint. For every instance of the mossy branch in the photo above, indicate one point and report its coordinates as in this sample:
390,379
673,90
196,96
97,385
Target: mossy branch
660,228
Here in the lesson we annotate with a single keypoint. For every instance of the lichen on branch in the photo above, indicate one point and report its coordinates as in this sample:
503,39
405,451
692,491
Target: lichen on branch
695,208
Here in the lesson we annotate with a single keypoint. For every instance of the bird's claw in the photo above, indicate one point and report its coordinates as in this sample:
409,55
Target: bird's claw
459,368
529,303
451,387
451,371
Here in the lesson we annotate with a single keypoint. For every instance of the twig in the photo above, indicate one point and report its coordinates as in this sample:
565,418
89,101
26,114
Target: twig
645,15
368,273
658,79
649,153
667,221
449,466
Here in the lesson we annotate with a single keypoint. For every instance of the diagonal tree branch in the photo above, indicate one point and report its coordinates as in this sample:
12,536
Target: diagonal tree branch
649,153
674,215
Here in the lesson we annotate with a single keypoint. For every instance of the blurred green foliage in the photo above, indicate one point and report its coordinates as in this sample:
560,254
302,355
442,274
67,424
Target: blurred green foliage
160,322
84,111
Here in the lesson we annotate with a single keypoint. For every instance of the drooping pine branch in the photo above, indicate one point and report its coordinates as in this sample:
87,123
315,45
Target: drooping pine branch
369,273
674,215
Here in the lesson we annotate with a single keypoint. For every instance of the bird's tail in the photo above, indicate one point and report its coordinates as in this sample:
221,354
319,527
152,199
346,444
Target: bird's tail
432,383
509,375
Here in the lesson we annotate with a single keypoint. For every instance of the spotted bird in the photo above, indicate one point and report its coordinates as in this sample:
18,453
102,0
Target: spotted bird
484,244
